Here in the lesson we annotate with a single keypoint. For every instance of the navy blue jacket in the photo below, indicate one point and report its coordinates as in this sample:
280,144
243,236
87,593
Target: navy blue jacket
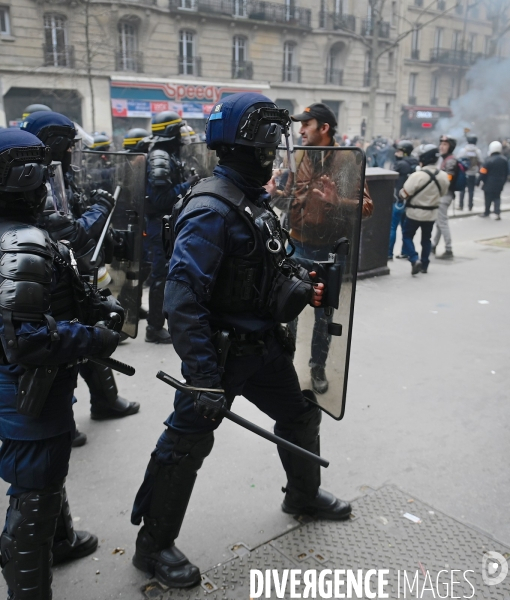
207,232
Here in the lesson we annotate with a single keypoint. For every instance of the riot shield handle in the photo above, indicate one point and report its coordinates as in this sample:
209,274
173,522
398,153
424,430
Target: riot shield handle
188,389
105,228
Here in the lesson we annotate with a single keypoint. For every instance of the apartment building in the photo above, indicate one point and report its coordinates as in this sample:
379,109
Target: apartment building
110,64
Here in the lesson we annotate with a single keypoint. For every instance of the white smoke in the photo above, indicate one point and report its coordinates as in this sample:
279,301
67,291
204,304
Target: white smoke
484,109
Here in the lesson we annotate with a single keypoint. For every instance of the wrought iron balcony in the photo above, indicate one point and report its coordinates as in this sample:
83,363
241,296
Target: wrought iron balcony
242,69
367,28
58,56
334,76
129,62
190,66
259,10
292,74
461,58
334,21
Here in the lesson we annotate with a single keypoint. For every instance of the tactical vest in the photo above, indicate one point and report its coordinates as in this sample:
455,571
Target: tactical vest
28,259
264,280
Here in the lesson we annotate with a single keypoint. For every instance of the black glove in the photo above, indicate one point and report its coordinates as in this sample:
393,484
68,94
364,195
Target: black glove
192,179
110,304
109,339
209,404
102,197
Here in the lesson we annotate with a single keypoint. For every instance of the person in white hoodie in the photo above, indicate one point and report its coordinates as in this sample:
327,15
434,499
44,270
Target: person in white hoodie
422,192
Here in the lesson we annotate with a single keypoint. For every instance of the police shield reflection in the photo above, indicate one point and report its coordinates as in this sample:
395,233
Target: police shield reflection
320,204
197,156
128,171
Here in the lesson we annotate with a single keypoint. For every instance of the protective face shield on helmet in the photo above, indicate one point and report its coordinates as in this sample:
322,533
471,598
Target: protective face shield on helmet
56,197
77,155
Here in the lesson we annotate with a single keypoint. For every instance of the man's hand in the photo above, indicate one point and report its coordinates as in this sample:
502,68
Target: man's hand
329,192
209,404
318,291
192,179
271,186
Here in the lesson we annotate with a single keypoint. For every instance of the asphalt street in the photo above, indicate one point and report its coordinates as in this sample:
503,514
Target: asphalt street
427,410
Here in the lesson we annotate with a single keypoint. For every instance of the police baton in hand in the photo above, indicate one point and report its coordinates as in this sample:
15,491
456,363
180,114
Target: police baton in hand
227,414
105,228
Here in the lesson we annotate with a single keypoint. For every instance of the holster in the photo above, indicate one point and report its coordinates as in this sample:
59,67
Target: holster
33,389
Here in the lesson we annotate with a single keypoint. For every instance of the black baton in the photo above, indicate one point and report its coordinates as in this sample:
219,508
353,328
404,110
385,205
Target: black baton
114,364
183,387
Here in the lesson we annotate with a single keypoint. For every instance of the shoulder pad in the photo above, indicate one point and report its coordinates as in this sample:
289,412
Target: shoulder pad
58,225
220,188
26,238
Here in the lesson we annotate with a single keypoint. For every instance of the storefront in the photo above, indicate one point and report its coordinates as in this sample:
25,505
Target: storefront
134,100
419,122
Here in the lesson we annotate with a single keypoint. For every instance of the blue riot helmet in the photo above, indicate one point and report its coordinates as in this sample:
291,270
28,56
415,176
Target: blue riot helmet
134,140
248,119
166,127
54,130
24,161
32,108
101,143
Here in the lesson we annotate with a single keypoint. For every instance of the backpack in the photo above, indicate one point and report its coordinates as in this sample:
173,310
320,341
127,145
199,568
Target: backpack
459,181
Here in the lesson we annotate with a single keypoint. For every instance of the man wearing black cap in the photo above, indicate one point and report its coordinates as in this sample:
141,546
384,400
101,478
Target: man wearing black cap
313,195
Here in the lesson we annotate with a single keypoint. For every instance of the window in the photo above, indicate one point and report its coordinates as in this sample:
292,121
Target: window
387,110
290,9
5,22
393,14
441,4
391,61
339,7
368,69
472,42
334,72
290,69
128,43
459,7
456,39
434,89
413,78
239,7
438,38
488,45
452,88
187,4
56,50
415,44
187,63
241,69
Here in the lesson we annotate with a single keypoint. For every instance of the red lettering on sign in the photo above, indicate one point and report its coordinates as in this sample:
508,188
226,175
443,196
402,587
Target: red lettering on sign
199,93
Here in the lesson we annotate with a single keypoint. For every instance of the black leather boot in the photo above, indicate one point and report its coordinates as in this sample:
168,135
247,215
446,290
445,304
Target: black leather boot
302,493
173,484
69,544
105,403
26,543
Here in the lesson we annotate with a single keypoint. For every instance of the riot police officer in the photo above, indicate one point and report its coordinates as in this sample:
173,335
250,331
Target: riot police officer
45,328
166,181
228,254
32,108
136,140
82,232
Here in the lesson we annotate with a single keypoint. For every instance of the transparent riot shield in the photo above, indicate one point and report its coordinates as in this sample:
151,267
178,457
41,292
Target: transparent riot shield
128,171
197,156
321,207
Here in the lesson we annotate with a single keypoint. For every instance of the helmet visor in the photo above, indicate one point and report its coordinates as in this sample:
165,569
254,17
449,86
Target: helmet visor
56,198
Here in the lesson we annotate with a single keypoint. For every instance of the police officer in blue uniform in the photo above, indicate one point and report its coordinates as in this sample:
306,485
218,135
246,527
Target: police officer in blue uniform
43,311
82,232
227,283
166,181
136,140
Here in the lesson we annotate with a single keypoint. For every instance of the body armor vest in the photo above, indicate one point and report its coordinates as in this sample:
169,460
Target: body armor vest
164,168
264,280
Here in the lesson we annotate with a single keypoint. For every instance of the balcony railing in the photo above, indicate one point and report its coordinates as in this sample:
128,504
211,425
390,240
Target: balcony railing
460,58
334,21
367,28
334,76
129,62
242,69
292,74
252,9
415,54
190,66
58,56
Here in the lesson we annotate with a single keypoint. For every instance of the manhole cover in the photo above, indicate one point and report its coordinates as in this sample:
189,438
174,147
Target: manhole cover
499,242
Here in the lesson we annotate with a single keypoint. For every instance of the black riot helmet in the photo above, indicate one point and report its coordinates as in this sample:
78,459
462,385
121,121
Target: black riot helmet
24,161
471,139
405,146
54,130
101,143
134,140
429,155
32,108
166,126
451,141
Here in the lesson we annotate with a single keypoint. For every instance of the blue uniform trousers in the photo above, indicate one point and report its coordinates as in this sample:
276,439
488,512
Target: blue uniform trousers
158,272
269,381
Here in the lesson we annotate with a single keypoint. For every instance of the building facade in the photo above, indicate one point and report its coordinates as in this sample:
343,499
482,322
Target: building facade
110,64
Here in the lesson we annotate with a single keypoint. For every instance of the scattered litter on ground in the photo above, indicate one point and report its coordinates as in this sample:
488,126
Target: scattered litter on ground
412,518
